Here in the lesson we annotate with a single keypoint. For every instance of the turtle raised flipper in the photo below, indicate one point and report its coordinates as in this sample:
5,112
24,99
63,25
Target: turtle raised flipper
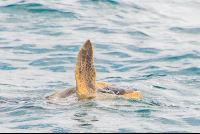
85,73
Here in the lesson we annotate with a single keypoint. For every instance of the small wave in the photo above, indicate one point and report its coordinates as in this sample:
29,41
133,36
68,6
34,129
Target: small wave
99,68
87,28
125,130
176,58
125,69
59,130
192,121
192,71
116,66
102,46
56,69
31,48
35,9
32,107
106,31
185,30
6,66
151,75
118,54
166,58
112,2
149,68
102,61
84,124
188,71
138,34
144,110
50,33
168,121
17,113
143,50
48,62
157,73
32,126
159,87
67,48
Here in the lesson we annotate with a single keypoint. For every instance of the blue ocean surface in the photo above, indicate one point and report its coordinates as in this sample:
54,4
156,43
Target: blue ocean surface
150,46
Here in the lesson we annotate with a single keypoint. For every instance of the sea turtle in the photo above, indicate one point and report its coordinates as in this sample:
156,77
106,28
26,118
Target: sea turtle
86,85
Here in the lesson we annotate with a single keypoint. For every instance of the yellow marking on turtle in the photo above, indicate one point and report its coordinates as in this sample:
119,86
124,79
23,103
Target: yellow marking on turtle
134,94
101,84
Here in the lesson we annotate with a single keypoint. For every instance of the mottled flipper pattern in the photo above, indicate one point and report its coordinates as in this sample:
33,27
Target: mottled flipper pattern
85,73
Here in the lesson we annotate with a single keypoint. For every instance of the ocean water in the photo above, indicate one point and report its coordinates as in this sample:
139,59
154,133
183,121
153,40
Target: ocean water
150,46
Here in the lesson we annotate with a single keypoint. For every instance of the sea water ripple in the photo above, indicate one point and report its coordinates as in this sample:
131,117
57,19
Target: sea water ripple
153,47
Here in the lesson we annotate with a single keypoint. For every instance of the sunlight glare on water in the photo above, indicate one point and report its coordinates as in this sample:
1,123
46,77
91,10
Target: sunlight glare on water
150,46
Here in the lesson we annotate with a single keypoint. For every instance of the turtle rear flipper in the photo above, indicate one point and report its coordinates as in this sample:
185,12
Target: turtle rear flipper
101,90
117,90
126,92
134,94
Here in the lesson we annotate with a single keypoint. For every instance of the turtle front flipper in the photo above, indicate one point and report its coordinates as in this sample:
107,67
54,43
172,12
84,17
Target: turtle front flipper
63,93
85,73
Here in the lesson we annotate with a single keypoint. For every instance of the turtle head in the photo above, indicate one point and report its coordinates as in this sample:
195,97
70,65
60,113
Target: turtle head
85,73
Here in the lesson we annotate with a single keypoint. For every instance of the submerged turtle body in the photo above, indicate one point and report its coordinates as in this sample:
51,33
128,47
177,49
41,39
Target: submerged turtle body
86,84
102,88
